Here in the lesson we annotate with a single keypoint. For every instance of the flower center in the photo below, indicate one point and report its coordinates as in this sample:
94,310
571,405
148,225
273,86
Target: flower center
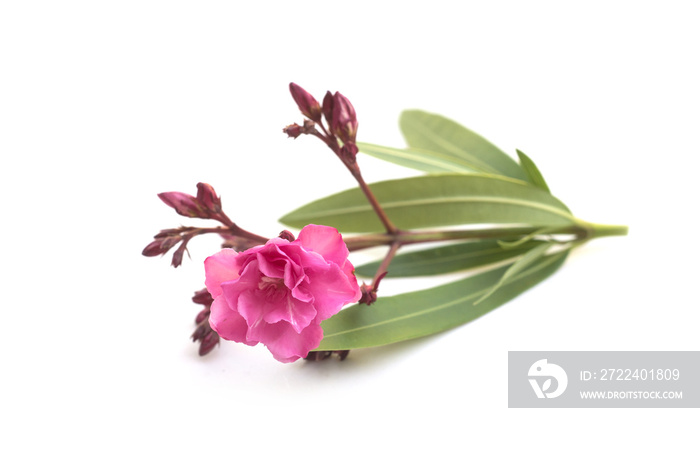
272,288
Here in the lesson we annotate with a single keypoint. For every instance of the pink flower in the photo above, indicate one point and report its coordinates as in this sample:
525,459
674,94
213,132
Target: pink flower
278,293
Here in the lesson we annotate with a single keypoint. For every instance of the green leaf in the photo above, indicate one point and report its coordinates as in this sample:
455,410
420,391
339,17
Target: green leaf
435,133
532,172
518,266
420,313
437,200
525,239
423,160
447,259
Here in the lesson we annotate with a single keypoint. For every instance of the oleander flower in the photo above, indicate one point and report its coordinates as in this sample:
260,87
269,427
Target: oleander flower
278,293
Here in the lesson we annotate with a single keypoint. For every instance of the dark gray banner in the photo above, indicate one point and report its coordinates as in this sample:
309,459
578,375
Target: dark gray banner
604,379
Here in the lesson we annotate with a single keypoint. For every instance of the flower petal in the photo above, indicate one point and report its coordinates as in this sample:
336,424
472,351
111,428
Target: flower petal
256,306
219,268
325,241
286,345
228,323
332,289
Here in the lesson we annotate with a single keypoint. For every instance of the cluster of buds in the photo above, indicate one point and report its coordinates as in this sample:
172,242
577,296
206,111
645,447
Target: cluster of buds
340,117
166,240
205,205
204,334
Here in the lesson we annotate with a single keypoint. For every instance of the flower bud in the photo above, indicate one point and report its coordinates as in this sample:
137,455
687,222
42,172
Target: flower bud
202,297
349,153
184,204
344,124
293,130
200,332
307,104
153,249
286,234
178,255
202,316
161,245
208,343
207,198
328,108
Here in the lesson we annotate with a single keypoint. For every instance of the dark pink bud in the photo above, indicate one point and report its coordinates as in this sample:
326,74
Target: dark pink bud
202,316
168,232
208,343
201,332
307,104
286,234
184,204
203,297
293,130
344,124
207,198
349,152
153,249
328,108
178,255
161,245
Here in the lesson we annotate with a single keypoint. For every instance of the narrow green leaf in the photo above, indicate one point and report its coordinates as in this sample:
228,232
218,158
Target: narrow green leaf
420,313
437,200
446,259
533,173
518,266
423,160
435,133
525,239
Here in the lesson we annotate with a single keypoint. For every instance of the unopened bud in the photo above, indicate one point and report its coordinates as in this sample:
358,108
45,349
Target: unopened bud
286,234
161,245
153,249
208,343
184,204
349,153
293,130
307,104
201,332
202,297
202,316
328,108
344,124
206,196
178,255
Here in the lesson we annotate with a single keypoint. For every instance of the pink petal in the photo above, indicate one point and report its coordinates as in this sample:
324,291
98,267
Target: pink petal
286,345
325,241
246,283
255,307
332,289
219,268
228,323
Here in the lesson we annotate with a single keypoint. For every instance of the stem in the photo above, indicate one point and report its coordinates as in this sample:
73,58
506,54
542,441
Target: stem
384,266
582,231
390,228
598,231
238,231
354,169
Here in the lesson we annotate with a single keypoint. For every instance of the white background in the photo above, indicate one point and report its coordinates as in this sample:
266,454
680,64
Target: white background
105,104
